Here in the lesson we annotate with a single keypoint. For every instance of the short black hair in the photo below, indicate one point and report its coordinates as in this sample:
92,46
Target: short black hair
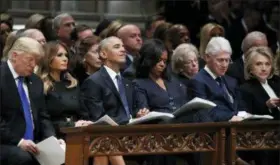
161,31
102,26
150,54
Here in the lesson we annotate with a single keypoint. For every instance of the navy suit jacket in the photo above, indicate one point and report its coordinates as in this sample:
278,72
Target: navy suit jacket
130,72
236,70
99,96
204,86
255,96
12,121
151,95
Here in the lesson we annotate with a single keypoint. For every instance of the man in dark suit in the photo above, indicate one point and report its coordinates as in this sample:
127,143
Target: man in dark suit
212,84
248,23
132,39
106,92
236,69
23,118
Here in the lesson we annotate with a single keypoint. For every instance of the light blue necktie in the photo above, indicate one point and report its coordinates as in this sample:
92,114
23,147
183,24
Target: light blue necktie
28,135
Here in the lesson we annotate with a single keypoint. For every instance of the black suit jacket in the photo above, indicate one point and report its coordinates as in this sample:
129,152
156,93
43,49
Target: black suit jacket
235,35
130,72
12,122
236,70
99,96
255,96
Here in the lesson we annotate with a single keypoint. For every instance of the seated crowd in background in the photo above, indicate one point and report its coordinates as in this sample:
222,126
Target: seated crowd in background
59,74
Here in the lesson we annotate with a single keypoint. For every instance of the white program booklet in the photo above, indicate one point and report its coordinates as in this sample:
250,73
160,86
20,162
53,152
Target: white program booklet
195,104
151,116
51,152
105,120
247,116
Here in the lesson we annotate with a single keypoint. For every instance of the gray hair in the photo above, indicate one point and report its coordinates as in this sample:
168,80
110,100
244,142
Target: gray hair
250,38
104,43
179,54
217,45
58,20
30,33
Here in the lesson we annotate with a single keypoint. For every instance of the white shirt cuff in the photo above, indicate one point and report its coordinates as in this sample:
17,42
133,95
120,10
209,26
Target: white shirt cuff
20,142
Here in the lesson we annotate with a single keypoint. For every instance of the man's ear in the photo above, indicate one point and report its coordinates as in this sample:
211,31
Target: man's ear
206,57
102,55
13,56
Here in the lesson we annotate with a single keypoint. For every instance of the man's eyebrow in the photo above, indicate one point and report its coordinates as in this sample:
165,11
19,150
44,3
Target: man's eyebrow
117,45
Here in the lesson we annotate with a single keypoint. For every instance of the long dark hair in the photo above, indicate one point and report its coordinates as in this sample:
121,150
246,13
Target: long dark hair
150,54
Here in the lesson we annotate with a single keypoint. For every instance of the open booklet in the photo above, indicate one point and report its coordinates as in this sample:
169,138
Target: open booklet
154,117
247,116
50,152
105,120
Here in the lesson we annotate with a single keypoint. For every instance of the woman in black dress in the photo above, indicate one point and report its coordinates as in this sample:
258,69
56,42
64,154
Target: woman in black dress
60,88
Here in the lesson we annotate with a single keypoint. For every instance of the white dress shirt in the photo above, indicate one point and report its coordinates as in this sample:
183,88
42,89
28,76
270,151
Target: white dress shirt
113,75
130,57
269,91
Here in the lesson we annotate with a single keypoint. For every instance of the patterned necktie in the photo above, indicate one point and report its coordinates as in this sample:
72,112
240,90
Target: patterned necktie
123,96
28,135
224,88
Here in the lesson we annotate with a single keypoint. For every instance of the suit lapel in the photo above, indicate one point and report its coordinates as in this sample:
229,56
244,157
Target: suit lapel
31,92
109,82
128,92
229,86
211,82
11,85
275,85
214,86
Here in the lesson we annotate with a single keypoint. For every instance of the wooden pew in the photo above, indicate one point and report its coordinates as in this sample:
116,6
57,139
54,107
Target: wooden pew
254,135
96,140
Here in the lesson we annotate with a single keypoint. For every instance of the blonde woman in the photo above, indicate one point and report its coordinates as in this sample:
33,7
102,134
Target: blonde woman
261,91
60,88
112,29
208,31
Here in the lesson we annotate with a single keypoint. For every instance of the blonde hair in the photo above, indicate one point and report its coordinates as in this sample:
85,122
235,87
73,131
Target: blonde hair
205,36
28,45
179,54
44,69
251,54
112,29
12,37
277,62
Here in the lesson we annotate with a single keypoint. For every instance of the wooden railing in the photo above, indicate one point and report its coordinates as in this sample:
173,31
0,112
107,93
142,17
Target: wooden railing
250,136
171,139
